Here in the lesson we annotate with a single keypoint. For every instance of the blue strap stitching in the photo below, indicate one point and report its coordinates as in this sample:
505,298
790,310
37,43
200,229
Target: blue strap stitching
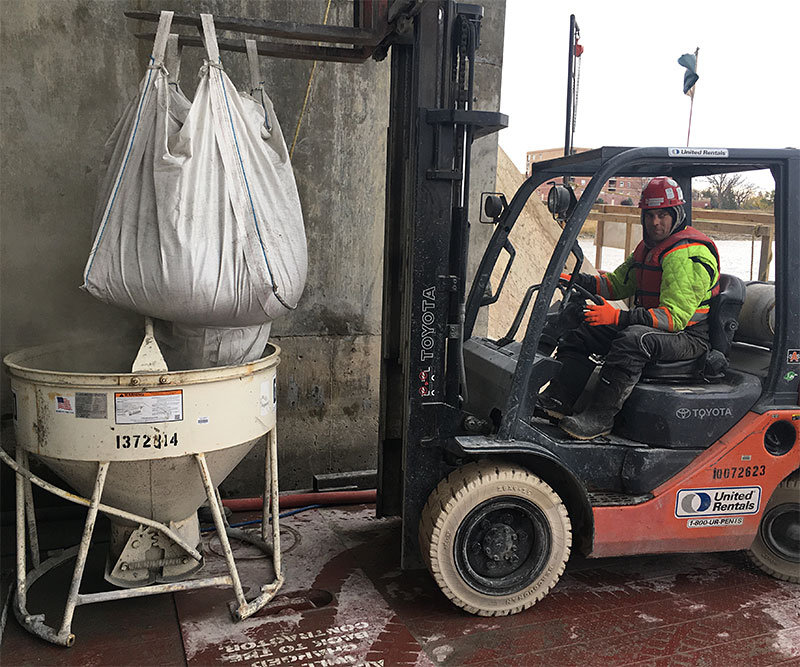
250,196
121,175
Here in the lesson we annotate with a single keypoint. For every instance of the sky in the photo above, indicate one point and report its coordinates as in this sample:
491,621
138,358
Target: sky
631,86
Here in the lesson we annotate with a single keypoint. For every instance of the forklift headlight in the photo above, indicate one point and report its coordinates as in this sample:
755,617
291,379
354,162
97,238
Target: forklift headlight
561,201
494,203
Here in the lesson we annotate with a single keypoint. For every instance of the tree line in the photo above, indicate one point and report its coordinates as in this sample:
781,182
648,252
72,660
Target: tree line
728,192
734,192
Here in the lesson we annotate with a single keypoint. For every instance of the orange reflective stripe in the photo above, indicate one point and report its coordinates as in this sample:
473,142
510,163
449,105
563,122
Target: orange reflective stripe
662,316
679,247
603,286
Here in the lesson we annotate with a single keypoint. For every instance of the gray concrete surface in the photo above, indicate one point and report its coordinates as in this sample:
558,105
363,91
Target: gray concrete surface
69,68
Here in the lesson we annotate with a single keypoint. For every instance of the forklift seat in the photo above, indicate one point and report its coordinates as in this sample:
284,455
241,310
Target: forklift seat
723,322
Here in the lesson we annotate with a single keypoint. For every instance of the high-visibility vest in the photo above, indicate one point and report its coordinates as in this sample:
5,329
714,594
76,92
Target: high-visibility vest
647,264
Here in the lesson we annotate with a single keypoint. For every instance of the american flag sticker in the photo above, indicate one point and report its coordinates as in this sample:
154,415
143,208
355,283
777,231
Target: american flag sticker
65,404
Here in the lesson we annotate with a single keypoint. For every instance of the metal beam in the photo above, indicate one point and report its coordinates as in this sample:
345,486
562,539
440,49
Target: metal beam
332,34
280,50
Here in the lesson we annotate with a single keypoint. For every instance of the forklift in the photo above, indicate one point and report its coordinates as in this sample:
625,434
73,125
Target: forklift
494,499
703,457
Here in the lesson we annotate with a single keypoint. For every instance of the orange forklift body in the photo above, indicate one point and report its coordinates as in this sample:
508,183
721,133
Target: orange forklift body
736,475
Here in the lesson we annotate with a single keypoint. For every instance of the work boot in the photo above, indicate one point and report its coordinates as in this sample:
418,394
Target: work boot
605,402
565,388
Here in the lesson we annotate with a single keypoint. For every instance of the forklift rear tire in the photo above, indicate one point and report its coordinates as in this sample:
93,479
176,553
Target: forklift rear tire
495,538
776,549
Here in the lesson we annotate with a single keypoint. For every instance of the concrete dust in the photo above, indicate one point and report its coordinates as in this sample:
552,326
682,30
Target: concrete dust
441,653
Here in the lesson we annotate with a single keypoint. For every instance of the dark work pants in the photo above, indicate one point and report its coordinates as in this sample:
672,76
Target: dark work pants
628,350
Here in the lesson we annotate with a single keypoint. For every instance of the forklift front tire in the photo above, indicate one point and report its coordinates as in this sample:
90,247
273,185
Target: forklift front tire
495,537
776,548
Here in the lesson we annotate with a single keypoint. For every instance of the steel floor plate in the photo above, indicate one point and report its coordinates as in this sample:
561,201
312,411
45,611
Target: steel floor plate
346,602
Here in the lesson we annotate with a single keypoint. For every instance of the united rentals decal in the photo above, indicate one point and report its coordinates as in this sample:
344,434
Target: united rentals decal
698,152
725,501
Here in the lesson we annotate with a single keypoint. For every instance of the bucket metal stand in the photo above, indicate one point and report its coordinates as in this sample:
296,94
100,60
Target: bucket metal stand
27,536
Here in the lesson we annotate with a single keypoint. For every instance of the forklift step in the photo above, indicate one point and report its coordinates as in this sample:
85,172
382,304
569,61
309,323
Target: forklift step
609,498
346,481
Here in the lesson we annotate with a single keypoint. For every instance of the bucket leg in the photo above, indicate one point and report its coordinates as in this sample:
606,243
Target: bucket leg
64,634
222,509
22,590
246,609
265,508
271,497
30,514
219,523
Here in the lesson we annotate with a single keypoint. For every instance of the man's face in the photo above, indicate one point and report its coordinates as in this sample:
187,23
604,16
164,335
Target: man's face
658,223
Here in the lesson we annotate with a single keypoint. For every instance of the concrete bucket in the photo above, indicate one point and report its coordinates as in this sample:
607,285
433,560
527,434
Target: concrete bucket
147,448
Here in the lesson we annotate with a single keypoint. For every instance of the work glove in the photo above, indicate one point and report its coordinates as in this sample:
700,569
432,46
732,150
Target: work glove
596,315
585,280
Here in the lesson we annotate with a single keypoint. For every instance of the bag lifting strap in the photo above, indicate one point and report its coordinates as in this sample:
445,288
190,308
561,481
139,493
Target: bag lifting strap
257,81
172,59
256,253
160,42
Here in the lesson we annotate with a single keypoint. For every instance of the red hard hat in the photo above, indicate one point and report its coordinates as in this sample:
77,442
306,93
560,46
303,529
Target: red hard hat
661,192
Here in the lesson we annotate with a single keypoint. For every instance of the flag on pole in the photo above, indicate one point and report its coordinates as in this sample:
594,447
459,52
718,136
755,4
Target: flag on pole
690,76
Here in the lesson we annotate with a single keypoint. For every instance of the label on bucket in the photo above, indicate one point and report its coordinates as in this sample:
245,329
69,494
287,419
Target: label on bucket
90,406
148,407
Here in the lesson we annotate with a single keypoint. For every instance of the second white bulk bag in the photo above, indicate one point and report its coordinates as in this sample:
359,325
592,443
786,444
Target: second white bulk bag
199,220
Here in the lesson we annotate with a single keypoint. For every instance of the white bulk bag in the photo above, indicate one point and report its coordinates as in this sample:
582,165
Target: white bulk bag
186,346
199,221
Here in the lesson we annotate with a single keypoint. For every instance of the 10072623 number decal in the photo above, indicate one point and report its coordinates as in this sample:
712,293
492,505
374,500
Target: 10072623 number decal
138,441
739,472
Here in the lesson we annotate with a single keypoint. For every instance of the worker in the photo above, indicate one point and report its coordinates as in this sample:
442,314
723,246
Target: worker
673,273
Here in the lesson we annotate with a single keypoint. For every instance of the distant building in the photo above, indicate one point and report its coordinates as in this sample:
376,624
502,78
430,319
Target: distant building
616,191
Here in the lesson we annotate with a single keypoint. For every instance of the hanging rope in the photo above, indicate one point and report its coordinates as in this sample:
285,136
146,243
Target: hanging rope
308,89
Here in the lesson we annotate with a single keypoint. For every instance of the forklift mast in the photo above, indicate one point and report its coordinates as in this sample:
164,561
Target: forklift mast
431,128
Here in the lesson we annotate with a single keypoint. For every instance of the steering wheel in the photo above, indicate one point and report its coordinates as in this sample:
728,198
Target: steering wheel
570,287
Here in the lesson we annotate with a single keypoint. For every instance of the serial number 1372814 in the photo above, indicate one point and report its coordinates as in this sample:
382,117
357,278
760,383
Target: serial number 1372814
157,441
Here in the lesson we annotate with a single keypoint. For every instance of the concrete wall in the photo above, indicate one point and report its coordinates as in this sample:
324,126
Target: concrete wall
70,66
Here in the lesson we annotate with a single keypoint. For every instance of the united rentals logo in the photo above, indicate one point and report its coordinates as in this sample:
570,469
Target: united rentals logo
718,502
698,152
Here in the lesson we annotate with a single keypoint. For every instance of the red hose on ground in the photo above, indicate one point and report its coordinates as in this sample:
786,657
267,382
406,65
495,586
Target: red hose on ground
303,499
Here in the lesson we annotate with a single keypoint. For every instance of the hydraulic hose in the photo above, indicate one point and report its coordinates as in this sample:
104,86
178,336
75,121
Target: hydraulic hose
303,499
